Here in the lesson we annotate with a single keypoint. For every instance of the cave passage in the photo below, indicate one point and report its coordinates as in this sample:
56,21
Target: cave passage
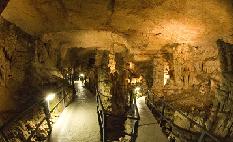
78,122
116,70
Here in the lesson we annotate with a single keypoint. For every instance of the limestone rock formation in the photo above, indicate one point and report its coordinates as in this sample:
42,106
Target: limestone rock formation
185,48
21,60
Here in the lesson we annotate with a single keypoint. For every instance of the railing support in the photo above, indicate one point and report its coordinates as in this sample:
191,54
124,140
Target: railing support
103,115
47,116
63,101
163,118
201,137
104,126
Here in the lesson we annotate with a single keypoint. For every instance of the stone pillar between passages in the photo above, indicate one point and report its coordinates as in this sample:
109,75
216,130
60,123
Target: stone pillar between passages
158,74
104,80
119,88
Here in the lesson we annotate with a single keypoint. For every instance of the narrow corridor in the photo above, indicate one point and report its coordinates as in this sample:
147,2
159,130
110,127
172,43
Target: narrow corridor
148,130
78,122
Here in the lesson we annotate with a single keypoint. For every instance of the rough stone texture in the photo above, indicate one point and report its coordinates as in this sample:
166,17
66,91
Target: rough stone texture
25,62
22,127
178,35
199,86
104,80
145,68
147,18
112,80
120,86
16,52
144,26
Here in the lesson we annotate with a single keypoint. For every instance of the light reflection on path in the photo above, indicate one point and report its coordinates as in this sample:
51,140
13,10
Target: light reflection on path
78,122
149,130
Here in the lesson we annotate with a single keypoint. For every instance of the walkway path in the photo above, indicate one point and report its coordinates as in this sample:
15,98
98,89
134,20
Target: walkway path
78,122
149,130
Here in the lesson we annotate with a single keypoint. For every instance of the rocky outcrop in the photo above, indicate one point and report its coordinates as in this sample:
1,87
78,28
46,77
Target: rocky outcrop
25,64
33,124
16,54
176,37
197,82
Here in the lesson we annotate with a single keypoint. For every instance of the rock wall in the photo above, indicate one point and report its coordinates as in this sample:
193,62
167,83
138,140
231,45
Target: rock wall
32,124
104,80
120,86
25,63
146,70
16,53
222,111
189,72
197,81
112,80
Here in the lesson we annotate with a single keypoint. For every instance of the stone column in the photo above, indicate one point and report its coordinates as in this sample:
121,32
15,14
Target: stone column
103,75
119,88
158,73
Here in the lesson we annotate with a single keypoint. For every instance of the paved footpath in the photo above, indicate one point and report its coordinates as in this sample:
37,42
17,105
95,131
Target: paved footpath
149,130
79,121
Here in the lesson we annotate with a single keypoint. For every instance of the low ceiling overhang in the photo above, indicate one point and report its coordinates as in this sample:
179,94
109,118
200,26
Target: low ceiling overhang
142,26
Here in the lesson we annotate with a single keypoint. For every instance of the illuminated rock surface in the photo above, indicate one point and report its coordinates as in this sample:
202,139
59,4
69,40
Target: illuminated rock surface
182,51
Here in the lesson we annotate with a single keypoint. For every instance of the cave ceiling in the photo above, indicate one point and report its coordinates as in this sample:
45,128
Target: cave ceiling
142,26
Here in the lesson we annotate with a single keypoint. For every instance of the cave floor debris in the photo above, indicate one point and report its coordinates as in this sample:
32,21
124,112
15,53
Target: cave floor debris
149,130
78,122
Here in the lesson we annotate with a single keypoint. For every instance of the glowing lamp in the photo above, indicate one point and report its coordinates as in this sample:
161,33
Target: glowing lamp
50,97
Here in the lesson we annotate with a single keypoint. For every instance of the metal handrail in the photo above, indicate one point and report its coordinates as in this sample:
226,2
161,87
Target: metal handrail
102,114
101,117
17,118
22,114
61,90
204,132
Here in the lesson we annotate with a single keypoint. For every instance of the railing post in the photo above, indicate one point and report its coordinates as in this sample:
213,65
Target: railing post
135,131
63,96
73,88
131,98
163,108
104,126
47,116
201,137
